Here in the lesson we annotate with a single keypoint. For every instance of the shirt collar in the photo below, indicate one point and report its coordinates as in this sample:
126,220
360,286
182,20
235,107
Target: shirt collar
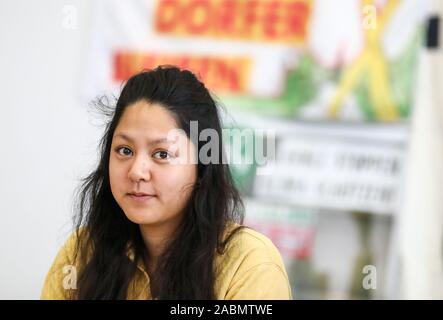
130,253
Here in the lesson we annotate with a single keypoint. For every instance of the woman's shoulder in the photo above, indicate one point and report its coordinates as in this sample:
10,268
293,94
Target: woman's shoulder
61,277
247,248
69,248
251,267
75,239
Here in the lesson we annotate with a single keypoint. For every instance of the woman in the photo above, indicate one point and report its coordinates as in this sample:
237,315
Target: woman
153,221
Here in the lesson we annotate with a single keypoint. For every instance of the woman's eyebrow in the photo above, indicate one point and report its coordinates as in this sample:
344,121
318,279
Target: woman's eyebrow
152,142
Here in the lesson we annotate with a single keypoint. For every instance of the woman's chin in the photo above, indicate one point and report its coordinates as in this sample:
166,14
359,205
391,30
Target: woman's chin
142,218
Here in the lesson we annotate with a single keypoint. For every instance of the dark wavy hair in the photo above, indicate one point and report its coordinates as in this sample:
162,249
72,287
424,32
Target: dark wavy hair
187,264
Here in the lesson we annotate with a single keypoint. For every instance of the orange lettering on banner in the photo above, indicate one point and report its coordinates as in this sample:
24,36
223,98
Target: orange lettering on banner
221,74
295,18
198,15
271,19
225,19
260,20
167,16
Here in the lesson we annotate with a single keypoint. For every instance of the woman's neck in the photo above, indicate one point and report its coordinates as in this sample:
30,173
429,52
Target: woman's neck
155,240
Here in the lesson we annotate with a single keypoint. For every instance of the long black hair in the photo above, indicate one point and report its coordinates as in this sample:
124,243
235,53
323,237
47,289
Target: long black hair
187,264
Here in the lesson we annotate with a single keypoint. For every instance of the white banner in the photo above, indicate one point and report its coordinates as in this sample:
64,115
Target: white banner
335,173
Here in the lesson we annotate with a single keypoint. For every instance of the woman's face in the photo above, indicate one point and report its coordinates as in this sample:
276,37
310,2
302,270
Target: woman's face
151,188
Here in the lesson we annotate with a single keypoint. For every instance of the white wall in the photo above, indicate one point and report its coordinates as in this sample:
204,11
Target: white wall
47,139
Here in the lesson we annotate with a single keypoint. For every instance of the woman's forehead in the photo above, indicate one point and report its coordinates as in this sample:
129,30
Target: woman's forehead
151,138
145,117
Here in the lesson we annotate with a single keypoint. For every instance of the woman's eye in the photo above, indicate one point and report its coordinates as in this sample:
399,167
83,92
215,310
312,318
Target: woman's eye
162,155
124,151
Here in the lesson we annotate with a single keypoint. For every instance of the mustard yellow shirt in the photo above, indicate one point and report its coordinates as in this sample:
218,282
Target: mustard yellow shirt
250,268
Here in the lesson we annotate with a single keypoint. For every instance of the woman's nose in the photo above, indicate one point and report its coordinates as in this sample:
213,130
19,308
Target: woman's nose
140,169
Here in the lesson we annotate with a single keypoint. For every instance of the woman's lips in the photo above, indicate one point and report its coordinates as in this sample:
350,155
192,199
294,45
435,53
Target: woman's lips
141,197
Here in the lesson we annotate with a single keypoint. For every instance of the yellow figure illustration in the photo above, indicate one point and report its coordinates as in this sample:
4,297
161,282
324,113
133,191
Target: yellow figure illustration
371,62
